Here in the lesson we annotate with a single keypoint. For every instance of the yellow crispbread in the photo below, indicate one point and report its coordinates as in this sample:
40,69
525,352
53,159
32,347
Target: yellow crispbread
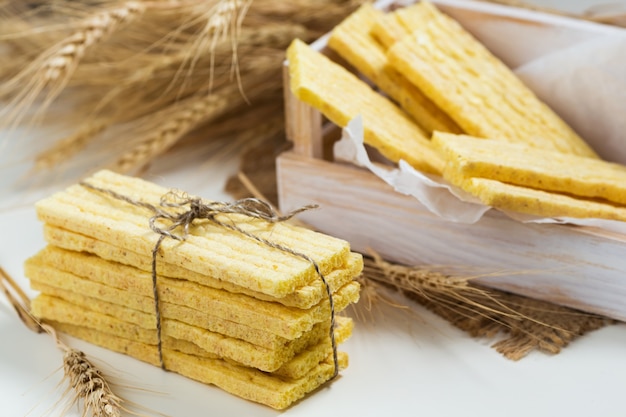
352,40
47,307
297,367
531,167
302,363
303,297
476,89
186,347
536,202
273,391
341,96
92,276
387,30
147,320
208,249
392,27
294,368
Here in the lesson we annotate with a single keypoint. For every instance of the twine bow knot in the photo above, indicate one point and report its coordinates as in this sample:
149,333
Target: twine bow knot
196,209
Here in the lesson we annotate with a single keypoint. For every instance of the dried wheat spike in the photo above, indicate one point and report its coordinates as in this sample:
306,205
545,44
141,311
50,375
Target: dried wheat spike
223,17
87,382
93,30
183,119
90,386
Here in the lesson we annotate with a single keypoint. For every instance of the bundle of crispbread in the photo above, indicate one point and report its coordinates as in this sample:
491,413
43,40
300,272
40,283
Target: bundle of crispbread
450,107
238,312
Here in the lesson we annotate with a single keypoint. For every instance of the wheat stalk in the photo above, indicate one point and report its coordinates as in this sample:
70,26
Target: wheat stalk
188,114
436,287
182,117
64,58
225,20
529,324
145,65
19,300
85,380
52,70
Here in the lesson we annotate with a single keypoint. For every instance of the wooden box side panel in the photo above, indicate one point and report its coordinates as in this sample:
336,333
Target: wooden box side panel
555,263
303,123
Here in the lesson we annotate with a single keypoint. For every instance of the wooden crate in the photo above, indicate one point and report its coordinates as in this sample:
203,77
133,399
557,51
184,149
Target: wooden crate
580,267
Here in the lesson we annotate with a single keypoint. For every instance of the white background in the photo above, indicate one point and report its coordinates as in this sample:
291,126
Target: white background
400,364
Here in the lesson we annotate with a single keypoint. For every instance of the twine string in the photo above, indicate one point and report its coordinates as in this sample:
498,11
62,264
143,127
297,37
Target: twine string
197,209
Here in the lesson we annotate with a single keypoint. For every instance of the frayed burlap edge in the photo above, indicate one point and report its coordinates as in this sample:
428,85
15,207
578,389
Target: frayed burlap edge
519,325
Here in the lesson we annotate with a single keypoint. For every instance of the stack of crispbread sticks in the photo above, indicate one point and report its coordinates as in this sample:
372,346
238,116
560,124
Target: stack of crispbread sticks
235,312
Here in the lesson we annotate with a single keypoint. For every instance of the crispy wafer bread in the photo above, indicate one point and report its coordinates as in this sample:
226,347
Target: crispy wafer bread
540,203
390,28
274,391
475,88
47,307
208,249
341,96
141,309
297,367
303,297
531,167
121,284
145,317
352,40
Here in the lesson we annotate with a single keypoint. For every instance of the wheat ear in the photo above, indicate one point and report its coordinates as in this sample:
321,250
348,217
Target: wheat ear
526,324
52,70
219,23
87,382
182,117
64,58
19,300
84,379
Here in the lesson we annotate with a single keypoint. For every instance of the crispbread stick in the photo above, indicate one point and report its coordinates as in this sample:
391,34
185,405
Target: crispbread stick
390,28
341,97
352,40
46,307
476,89
537,202
531,167
297,367
145,317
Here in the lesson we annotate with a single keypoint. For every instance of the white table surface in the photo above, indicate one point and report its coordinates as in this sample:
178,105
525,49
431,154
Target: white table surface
400,365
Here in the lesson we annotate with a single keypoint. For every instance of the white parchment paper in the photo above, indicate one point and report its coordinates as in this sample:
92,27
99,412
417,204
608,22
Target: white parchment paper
586,85
432,191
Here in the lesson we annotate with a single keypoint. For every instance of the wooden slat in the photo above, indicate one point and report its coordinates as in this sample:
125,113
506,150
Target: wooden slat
578,267
303,123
